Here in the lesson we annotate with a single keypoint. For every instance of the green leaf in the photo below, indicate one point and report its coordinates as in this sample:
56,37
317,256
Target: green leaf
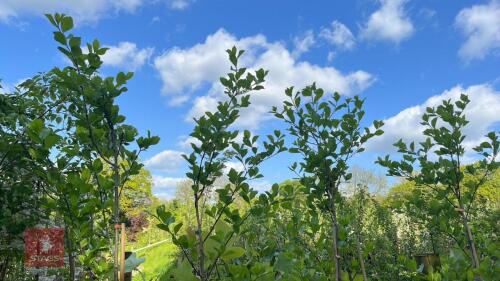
50,140
319,94
66,23
184,272
51,19
75,42
283,263
59,37
37,126
232,253
177,227
470,275
97,165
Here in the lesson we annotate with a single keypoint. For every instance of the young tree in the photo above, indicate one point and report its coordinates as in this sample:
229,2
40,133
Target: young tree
209,243
327,133
68,124
440,158
25,144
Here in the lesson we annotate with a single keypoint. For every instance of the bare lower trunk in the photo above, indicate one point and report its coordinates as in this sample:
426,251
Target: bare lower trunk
4,266
199,234
470,240
117,235
116,212
71,255
115,275
361,259
336,256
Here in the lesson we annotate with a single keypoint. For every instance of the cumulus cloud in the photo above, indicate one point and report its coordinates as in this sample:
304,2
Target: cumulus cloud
260,186
482,113
83,11
87,11
237,166
481,26
184,71
201,105
303,43
389,23
165,161
127,55
185,142
338,35
165,187
166,182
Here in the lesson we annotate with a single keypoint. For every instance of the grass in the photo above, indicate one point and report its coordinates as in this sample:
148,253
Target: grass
158,260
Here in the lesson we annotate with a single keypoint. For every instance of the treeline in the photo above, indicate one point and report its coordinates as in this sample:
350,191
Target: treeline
66,156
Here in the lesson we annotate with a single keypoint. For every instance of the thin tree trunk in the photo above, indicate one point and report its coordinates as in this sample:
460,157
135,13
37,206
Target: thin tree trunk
4,266
360,257
349,273
71,256
199,234
336,256
116,219
433,243
116,177
470,238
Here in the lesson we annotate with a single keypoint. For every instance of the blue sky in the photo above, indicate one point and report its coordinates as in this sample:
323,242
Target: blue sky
400,55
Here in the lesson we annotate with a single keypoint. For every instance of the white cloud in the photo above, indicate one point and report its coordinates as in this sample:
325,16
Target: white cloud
161,182
165,187
127,55
482,113
237,166
180,4
260,185
10,87
481,26
303,43
6,88
186,141
82,11
186,70
201,105
338,35
166,161
389,23
330,56
155,19
85,11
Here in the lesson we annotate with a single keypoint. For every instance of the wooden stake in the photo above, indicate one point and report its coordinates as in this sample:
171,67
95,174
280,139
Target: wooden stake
122,264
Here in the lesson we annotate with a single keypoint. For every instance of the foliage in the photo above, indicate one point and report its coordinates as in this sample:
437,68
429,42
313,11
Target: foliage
25,144
68,159
327,133
67,125
454,191
208,245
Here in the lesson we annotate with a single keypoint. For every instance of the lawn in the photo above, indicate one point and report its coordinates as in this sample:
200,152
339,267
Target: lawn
158,260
